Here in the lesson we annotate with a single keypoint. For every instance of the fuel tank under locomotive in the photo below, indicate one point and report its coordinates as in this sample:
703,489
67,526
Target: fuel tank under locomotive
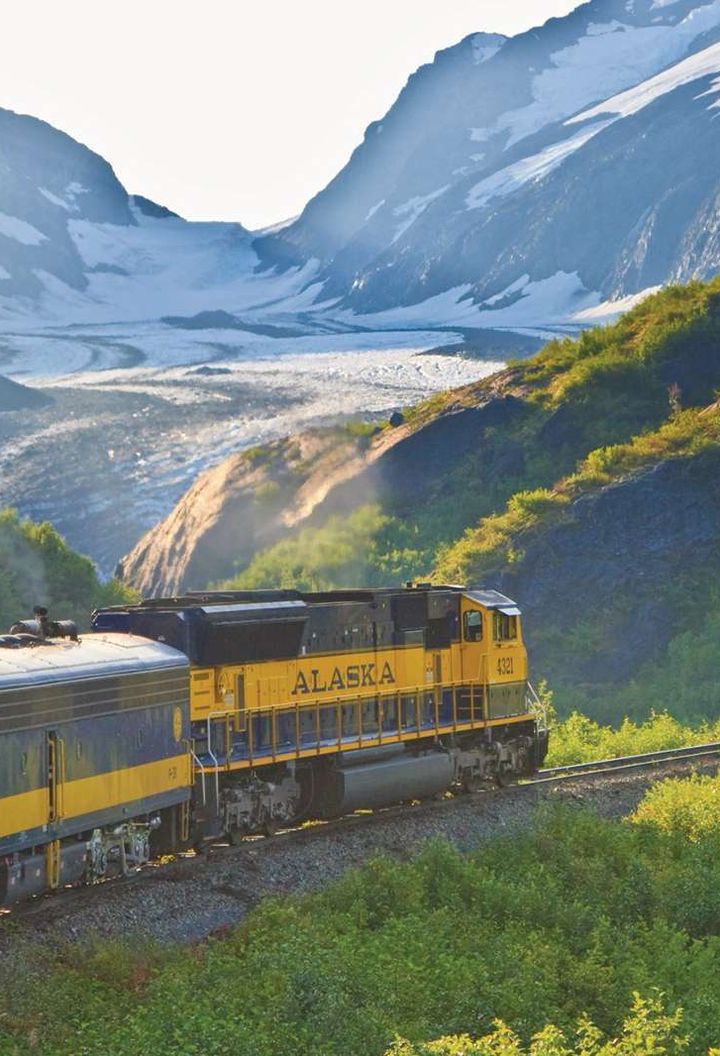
379,777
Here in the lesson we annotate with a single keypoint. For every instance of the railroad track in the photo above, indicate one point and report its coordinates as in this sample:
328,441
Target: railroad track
47,906
629,762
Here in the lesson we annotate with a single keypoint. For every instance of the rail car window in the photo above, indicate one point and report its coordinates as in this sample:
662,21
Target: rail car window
473,626
504,627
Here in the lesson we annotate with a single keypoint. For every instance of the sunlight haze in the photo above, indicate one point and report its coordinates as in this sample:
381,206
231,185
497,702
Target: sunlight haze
230,110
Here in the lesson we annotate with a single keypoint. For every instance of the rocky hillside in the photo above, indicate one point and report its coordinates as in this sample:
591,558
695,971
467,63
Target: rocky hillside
582,481
534,176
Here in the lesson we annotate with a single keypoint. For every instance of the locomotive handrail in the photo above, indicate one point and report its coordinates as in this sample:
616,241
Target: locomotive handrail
406,691
538,705
292,730
201,768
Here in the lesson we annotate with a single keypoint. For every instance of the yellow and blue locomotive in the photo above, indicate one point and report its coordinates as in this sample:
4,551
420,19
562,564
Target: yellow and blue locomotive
318,704
228,713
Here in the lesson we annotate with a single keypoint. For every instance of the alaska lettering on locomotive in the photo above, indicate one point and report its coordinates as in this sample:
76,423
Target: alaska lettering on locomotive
354,676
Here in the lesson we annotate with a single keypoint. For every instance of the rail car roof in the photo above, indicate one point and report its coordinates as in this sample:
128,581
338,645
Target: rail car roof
92,656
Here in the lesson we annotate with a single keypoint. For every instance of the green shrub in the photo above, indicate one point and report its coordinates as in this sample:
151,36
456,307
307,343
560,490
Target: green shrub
363,549
646,1030
581,740
560,924
690,806
37,567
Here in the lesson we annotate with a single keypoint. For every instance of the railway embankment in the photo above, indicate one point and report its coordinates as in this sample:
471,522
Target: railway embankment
192,899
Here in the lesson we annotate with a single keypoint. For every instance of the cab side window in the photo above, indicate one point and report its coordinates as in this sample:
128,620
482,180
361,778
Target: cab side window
504,627
473,626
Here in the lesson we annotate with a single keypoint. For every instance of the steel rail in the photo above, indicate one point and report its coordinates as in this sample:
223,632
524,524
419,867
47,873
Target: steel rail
628,762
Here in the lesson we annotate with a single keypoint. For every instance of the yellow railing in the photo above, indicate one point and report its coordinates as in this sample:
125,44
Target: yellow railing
297,729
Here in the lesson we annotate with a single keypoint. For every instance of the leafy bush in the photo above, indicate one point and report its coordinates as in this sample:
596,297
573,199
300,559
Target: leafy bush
690,806
647,1029
37,567
581,740
367,548
560,924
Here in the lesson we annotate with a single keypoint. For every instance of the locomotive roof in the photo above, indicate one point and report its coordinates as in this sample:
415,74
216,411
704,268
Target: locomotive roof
92,656
253,600
203,599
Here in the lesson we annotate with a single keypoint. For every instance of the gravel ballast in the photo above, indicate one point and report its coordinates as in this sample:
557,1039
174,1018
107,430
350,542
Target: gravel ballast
188,900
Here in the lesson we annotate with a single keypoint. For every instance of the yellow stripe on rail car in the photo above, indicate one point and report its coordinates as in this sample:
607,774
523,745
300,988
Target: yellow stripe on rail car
30,810
23,812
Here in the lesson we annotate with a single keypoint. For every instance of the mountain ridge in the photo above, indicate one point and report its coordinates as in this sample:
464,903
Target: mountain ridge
461,206
386,262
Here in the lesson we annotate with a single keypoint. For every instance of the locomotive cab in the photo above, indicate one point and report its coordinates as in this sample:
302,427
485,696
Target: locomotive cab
492,651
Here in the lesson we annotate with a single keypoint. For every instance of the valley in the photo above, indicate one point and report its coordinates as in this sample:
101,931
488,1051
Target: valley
111,451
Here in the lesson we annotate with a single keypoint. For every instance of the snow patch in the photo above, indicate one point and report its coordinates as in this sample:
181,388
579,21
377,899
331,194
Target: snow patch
54,199
414,208
20,230
607,60
4,273
626,103
549,301
545,304
531,169
371,212
609,310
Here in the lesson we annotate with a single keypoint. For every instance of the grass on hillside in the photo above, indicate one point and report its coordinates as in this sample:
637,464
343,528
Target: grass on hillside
500,539
608,395
562,925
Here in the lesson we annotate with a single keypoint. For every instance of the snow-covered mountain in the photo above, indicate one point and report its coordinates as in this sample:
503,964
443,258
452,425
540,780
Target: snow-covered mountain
536,177
76,248
537,182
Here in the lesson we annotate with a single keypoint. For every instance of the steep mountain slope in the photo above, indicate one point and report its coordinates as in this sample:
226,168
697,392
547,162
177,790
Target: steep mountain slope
583,482
562,168
47,178
76,248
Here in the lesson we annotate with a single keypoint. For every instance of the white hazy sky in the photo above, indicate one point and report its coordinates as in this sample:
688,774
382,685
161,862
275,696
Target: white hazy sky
230,109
